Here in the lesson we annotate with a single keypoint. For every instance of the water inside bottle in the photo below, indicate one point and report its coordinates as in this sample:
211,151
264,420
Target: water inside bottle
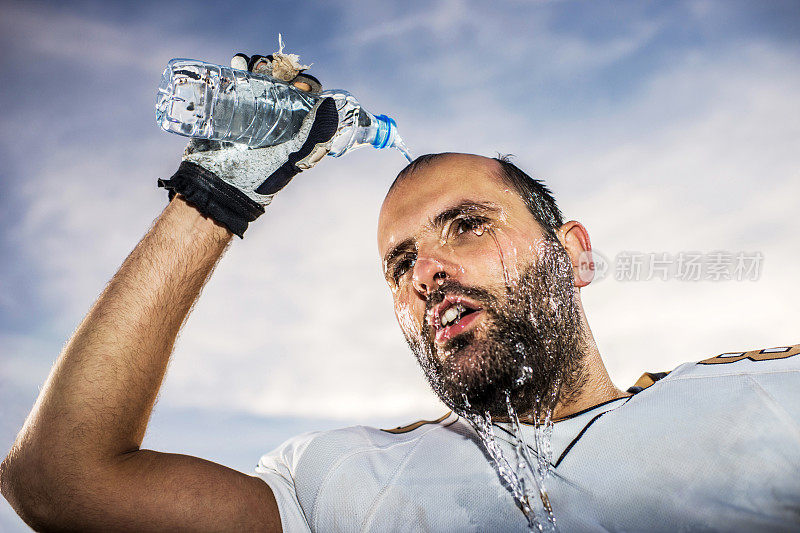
207,101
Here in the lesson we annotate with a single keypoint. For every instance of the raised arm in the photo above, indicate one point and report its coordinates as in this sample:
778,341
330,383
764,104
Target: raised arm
76,464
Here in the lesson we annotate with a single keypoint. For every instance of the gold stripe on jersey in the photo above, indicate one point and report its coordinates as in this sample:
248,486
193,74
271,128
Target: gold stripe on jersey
648,378
415,425
766,354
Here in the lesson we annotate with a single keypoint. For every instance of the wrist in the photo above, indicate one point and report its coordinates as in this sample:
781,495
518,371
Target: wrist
213,197
184,218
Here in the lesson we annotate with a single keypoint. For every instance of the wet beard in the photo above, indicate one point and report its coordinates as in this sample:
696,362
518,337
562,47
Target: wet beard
529,347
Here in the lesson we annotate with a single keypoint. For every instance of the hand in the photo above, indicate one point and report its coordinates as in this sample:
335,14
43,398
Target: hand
231,183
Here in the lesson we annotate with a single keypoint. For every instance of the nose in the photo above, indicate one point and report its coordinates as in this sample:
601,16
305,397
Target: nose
429,274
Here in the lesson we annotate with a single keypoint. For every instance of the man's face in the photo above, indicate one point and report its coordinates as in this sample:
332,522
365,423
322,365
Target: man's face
484,298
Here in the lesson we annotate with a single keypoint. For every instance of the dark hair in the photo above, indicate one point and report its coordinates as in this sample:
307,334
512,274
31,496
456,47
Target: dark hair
537,196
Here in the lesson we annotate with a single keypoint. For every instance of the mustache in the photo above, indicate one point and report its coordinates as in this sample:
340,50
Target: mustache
453,287
487,300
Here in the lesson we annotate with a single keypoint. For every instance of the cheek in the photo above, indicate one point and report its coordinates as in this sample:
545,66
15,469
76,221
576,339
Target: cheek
493,260
514,252
407,317
488,265
476,260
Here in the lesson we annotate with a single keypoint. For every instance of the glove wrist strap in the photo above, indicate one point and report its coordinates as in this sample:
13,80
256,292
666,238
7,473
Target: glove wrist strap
213,197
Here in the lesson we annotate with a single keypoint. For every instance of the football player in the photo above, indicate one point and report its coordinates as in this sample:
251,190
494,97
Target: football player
486,279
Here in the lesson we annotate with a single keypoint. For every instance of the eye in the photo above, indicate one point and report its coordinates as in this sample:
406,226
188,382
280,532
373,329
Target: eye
401,267
472,224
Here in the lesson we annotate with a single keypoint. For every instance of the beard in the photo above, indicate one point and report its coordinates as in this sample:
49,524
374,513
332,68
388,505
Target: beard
528,350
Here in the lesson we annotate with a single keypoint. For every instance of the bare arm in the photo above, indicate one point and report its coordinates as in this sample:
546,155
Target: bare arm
77,464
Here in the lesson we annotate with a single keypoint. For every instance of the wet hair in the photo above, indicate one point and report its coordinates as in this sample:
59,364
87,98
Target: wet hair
537,196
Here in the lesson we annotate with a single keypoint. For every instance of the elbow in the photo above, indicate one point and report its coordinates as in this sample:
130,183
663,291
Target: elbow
49,489
21,485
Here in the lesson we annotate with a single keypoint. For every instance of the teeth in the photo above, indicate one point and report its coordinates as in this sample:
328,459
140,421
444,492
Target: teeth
449,315
452,314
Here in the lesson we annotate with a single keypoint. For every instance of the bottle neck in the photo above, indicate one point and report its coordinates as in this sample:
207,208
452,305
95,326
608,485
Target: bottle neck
386,131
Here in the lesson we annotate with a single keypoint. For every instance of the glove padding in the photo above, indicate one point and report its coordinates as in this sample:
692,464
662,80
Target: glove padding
232,184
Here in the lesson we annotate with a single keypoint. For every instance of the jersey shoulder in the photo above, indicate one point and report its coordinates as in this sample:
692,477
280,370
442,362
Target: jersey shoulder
324,449
752,381
777,359
320,463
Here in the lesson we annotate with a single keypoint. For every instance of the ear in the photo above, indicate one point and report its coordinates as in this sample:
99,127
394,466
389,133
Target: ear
575,239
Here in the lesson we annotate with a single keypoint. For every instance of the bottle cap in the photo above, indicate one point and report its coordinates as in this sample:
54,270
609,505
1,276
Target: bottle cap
386,131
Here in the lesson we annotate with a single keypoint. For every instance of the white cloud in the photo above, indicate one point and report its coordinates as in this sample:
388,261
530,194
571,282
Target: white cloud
40,31
471,54
441,20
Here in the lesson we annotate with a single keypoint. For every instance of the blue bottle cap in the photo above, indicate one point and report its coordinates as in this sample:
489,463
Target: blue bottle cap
386,129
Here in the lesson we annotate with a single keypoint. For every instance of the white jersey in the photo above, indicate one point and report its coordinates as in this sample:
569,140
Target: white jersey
714,445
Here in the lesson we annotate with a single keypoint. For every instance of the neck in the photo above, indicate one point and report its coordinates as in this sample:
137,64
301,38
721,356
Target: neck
595,386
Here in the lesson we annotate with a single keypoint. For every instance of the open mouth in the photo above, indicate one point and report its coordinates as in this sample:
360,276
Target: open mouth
452,317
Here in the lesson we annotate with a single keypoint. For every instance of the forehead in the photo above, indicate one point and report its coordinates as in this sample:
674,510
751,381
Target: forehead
439,185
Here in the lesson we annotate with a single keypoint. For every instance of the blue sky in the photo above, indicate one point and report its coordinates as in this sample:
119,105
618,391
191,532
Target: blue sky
662,126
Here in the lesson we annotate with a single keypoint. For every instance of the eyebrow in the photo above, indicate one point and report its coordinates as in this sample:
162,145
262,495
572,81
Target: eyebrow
439,222
466,206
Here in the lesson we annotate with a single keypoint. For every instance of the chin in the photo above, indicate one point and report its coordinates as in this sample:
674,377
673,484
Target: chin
471,370
464,358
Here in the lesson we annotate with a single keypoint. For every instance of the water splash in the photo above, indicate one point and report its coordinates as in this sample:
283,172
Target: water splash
539,467
524,476
485,430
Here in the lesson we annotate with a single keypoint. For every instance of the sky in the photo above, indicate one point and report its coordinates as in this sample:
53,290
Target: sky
664,127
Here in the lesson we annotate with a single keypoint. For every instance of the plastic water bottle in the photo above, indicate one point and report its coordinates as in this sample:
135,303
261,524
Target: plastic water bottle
207,101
